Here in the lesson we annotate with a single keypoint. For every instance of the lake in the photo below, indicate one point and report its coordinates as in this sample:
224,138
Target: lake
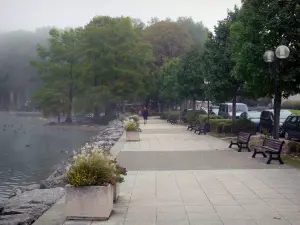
29,151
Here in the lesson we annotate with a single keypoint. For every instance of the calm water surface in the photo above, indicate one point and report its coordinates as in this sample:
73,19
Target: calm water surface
29,151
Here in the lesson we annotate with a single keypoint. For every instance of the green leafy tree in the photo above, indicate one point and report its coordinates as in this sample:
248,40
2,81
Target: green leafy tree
115,63
60,62
264,25
197,30
168,39
51,100
190,79
169,89
218,63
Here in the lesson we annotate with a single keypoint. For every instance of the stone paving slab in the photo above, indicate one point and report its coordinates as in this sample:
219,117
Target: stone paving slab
196,197
193,160
171,142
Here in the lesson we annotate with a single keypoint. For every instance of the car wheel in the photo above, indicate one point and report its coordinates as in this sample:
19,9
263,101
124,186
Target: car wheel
287,136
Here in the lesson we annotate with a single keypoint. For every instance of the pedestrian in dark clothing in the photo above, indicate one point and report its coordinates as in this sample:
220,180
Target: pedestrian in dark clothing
145,115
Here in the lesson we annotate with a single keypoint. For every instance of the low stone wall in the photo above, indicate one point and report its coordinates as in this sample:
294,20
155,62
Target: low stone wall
27,204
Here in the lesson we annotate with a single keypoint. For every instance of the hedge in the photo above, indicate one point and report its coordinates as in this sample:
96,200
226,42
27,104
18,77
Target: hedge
293,148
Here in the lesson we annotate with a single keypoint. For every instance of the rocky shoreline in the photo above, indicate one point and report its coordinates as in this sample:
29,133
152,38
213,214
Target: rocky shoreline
27,204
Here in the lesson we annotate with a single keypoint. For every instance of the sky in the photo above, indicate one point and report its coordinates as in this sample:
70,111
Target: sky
32,14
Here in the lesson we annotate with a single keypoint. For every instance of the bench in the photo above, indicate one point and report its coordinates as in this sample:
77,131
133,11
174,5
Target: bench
201,128
242,141
192,126
272,147
172,119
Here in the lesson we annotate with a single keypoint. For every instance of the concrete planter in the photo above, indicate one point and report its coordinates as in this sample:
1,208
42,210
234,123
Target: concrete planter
116,189
132,135
90,203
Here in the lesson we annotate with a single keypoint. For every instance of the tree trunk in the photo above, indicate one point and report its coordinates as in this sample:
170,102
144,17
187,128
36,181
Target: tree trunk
96,114
69,112
123,106
58,117
277,107
194,103
234,108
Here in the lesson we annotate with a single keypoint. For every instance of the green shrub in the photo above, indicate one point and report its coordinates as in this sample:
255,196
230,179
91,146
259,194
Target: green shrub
227,128
131,126
164,115
293,148
192,117
135,118
204,118
214,123
93,169
244,125
219,127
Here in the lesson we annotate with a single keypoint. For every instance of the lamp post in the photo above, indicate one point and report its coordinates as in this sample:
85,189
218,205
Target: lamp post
206,82
281,52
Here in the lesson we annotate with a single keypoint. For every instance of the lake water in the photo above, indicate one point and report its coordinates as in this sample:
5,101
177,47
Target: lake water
29,151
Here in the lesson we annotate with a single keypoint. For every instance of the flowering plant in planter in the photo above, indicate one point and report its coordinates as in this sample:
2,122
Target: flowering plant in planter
135,118
132,131
131,126
91,177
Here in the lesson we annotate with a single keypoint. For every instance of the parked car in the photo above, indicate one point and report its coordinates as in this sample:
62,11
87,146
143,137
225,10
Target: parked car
254,116
225,109
215,109
291,127
266,121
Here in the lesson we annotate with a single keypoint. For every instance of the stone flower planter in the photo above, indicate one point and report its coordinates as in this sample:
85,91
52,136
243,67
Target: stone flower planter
116,189
90,202
132,135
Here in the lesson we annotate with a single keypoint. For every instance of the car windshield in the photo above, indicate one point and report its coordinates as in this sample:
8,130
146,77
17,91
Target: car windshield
239,108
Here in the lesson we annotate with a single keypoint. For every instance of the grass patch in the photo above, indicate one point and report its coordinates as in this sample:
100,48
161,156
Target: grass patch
295,162
295,111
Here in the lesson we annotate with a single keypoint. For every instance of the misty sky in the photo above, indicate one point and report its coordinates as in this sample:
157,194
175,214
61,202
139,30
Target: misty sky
30,14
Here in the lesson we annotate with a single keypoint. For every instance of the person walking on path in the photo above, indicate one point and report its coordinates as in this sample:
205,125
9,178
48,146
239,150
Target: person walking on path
145,115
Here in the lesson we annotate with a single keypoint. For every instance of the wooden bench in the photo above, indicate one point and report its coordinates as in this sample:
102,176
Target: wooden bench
242,141
192,126
272,147
201,128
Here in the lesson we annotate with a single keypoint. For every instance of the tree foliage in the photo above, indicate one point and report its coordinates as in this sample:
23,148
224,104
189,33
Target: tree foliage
168,40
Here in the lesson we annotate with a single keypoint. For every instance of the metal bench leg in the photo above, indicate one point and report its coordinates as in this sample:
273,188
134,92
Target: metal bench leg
270,159
254,153
230,144
280,160
240,147
249,150
264,154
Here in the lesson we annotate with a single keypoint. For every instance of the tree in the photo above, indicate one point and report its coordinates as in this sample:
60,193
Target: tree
190,79
115,63
51,100
264,25
168,39
197,30
169,89
60,62
219,64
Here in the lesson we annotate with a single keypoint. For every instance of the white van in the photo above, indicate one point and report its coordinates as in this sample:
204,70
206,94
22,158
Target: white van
225,109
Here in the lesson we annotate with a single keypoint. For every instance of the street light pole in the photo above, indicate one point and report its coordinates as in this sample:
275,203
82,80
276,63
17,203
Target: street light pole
281,52
207,86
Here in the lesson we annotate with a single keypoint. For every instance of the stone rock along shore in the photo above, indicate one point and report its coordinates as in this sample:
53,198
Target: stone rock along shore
27,204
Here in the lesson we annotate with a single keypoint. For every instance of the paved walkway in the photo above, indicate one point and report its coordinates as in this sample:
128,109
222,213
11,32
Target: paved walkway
179,178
